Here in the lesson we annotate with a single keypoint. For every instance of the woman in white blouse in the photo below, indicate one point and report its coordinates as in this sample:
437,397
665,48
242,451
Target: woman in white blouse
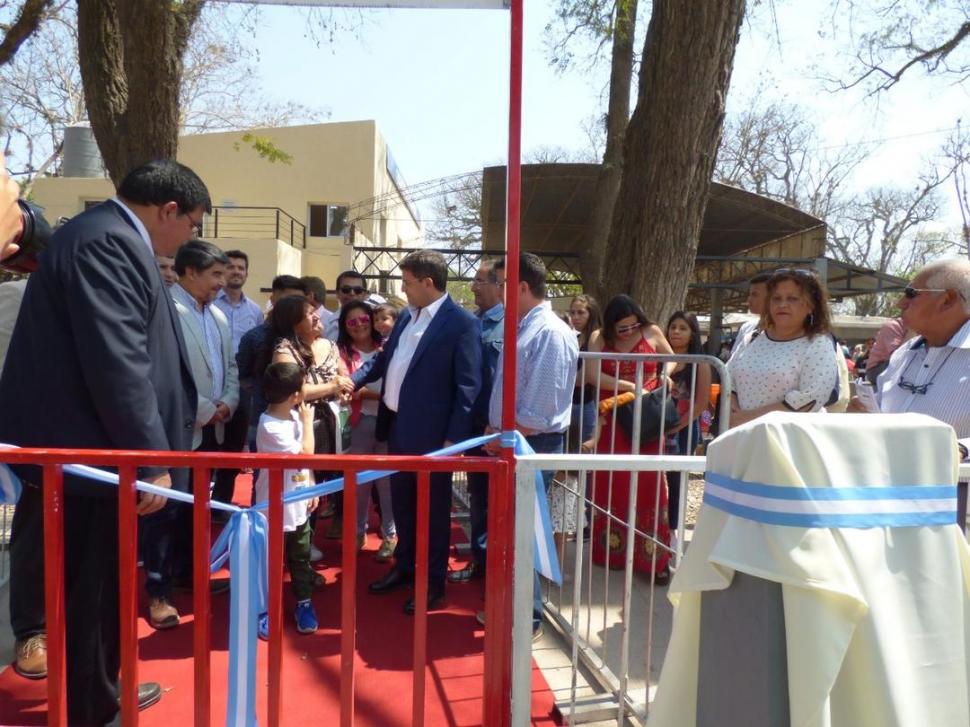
788,363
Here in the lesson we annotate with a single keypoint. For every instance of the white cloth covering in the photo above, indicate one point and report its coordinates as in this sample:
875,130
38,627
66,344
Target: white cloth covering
877,619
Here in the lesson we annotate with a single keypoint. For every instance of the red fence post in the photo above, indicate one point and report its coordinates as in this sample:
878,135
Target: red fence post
498,605
201,595
275,594
348,601
128,593
421,596
54,595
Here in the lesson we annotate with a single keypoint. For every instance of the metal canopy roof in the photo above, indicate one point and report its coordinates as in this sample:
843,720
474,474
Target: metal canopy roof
557,199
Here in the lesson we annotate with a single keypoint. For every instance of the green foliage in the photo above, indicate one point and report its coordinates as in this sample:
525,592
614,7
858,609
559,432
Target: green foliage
265,148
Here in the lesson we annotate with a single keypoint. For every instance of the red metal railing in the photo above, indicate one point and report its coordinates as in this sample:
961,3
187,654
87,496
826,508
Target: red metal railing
498,636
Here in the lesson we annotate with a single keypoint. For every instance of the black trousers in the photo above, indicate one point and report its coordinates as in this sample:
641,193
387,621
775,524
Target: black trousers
404,499
90,597
237,431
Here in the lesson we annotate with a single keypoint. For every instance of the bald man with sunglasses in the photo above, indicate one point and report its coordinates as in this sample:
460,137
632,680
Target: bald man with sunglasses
931,374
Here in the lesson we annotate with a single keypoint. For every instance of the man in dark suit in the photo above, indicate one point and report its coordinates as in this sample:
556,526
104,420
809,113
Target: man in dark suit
97,360
432,371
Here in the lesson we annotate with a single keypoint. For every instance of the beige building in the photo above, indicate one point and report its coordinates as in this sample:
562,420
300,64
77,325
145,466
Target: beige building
338,188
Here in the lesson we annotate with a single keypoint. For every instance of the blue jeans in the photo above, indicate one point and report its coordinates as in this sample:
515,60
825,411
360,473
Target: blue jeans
549,443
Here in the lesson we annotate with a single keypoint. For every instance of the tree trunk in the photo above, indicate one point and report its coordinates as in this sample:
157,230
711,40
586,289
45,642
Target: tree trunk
130,55
670,148
611,171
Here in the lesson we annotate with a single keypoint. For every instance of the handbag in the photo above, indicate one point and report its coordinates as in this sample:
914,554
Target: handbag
654,405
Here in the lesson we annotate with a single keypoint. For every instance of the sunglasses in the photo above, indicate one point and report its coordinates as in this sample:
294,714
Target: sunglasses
355,289
800,272
623,330
358,321
909,292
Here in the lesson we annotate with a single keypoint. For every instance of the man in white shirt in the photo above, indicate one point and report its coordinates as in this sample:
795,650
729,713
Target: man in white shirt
243,315
757,299
431,368
931,374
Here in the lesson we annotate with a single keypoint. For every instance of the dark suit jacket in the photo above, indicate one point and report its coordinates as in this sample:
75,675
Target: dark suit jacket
440,386
97,359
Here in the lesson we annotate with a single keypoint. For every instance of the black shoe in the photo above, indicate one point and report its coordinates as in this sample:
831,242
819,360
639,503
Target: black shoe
436,598
148,694
394,580
471,572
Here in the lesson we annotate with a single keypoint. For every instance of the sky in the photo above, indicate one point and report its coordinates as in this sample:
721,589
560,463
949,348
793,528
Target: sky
436,82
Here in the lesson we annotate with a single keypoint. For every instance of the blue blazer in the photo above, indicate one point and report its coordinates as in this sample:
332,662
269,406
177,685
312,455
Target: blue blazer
97,359
439,389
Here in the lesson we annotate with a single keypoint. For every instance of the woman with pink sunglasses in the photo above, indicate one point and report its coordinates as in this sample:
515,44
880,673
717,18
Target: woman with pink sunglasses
359,341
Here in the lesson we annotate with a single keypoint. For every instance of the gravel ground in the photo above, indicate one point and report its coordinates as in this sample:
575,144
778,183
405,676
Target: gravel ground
695,493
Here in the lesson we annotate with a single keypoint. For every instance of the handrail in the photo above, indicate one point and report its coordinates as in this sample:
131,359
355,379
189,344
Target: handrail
266,222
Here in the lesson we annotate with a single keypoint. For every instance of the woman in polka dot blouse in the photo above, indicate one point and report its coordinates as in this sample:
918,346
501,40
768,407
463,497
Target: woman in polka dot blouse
788,363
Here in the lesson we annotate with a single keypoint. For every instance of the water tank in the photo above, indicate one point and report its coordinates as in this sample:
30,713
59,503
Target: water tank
81,155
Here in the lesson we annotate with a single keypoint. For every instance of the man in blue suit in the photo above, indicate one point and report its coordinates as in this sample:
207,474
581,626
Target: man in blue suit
97,361
431,368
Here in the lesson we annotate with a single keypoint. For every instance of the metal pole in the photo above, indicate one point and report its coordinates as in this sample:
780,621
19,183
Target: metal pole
522,585
512,230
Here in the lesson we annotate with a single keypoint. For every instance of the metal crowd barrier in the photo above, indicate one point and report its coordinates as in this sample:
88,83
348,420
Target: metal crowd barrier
497,686
604,616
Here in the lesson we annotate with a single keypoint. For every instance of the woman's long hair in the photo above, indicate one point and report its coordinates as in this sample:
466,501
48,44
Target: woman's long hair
594,320
620,307
286,315
344,341
820,319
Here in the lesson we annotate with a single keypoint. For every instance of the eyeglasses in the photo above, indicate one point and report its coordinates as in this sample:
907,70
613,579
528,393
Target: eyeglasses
358,321
629,328
476,281
196,224
910,292
912,388
355,289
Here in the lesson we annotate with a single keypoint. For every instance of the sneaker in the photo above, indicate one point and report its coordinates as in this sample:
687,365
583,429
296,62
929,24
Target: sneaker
386,551
306,618
262,626
316,555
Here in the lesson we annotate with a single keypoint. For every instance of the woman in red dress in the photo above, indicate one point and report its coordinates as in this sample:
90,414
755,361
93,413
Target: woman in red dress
626,329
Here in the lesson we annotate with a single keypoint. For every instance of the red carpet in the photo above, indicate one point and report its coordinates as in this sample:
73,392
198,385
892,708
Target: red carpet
311,664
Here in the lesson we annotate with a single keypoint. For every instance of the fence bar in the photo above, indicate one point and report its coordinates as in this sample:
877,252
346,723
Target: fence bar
522,585
275,597
201,594
498,604
348,601
128,594
421,597
53,495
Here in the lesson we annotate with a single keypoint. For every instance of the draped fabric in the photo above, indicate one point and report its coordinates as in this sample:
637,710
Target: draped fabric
877,617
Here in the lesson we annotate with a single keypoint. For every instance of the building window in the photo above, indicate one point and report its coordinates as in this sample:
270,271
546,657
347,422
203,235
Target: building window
327,220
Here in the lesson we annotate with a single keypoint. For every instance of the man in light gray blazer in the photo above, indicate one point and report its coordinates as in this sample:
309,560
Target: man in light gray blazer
201,267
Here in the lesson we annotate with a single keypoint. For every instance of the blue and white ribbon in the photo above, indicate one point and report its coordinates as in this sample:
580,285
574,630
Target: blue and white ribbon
244,543
833,507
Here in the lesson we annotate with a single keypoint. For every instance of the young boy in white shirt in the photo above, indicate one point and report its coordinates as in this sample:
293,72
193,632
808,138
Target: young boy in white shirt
287,427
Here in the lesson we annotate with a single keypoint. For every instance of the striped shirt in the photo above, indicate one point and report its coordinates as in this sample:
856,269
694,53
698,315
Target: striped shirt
935,381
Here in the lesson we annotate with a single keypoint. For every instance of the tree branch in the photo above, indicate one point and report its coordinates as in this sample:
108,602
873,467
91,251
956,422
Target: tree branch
31,15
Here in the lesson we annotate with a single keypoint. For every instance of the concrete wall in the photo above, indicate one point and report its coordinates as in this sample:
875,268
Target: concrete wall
335,164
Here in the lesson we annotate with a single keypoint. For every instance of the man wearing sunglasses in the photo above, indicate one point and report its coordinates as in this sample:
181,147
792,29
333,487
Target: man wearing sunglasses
350,286
931,374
